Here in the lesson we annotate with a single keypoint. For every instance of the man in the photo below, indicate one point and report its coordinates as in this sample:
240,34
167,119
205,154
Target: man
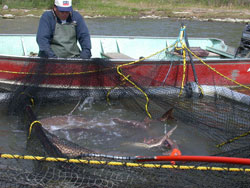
60,29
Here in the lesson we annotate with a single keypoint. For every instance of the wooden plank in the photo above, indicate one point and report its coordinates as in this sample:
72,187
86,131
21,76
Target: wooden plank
213,54
198,52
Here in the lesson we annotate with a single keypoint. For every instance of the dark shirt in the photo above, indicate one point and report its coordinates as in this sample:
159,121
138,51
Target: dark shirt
46,30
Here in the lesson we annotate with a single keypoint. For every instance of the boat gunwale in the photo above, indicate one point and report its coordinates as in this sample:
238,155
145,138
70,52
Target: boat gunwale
79,60
126,36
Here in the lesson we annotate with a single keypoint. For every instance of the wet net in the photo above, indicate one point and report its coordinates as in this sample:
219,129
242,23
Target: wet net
105,123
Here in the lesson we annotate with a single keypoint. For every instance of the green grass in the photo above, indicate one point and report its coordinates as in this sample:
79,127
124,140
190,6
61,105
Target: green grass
113,3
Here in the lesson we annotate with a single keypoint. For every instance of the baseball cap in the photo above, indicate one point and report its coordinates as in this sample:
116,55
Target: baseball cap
64,5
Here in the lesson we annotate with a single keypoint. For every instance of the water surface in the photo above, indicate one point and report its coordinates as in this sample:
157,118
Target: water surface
229,32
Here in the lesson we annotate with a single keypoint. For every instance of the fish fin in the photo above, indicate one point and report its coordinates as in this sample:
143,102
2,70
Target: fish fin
168,115
169,133
74,107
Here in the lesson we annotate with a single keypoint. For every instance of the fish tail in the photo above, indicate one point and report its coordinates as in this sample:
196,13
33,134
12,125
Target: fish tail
168,115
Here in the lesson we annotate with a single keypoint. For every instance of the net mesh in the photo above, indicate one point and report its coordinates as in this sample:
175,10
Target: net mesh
109,106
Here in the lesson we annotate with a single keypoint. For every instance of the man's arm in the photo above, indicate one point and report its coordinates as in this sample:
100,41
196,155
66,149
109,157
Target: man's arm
83,36
45,34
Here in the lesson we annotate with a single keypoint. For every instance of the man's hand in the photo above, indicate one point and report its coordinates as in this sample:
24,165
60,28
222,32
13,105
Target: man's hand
85,54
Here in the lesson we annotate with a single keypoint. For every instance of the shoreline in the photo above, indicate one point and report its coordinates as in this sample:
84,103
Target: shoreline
194,14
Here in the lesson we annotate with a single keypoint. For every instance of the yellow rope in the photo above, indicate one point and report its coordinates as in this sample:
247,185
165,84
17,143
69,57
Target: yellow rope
56,74
128,164
31,126
233,139
14,72
184,64
183,46
184,70
138,88
118,68
31,98
123,83
202,92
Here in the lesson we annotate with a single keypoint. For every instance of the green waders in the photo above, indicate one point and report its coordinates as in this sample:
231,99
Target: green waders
64,42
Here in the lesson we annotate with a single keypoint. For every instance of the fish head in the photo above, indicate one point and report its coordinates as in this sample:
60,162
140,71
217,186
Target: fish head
62,122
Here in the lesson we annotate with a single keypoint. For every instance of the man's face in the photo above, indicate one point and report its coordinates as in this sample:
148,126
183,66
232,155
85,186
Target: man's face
62,15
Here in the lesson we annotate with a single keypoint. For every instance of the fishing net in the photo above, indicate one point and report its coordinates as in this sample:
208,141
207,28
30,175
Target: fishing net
95,123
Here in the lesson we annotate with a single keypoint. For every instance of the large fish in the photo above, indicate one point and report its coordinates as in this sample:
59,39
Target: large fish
73,122
66,147
73,150
164,141
145,123
133,123
68,121
63,122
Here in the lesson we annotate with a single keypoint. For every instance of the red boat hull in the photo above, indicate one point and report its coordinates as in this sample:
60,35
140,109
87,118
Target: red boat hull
72,74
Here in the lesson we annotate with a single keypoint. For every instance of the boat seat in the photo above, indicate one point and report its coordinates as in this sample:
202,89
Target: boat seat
196,50
116,55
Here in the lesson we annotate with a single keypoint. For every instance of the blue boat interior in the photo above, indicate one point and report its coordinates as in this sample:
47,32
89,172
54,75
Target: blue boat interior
122,47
